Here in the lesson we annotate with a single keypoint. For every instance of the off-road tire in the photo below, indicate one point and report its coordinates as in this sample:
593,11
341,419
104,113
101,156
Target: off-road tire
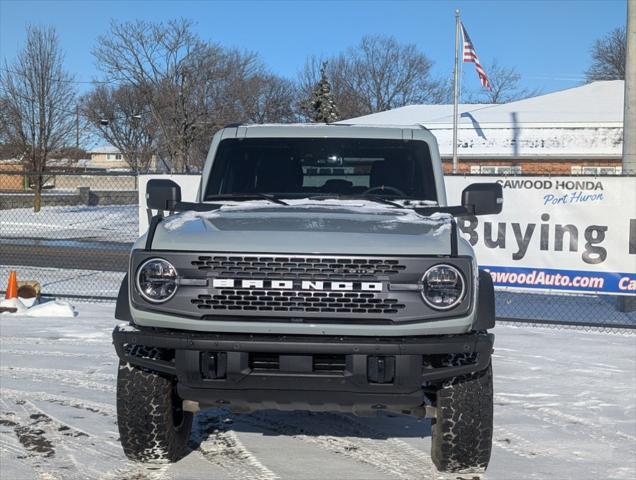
462,430
152,426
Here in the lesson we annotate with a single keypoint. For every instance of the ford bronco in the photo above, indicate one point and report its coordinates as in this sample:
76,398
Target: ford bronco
320,268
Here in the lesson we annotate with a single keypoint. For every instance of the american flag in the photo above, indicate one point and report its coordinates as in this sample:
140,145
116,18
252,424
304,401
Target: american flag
470,55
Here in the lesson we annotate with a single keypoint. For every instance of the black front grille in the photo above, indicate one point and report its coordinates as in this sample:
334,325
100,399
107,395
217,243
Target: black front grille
297,301
298,267
330,363
264,361
324,364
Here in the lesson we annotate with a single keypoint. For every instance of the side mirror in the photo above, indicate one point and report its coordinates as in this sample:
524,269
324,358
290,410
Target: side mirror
162,194
483,198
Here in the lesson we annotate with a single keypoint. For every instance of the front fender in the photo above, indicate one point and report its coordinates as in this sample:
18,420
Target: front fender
122,307
485,315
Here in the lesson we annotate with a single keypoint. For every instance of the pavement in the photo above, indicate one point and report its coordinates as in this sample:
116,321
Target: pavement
80,255
565,408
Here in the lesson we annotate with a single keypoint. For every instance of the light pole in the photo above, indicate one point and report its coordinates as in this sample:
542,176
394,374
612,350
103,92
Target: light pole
628,303
629,118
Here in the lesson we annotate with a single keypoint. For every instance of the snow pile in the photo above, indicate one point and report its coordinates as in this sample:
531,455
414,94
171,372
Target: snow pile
55,308
13,303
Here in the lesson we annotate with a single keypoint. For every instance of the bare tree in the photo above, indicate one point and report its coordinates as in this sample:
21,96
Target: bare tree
378,74
504,86
608,57
39,103
163,61
121,117
191,87
266,98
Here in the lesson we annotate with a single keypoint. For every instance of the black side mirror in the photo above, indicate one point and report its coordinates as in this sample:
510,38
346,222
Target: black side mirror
483,198
162,194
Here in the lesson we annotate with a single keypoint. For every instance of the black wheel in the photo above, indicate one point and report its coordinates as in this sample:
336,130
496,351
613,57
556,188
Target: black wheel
152,424
462,429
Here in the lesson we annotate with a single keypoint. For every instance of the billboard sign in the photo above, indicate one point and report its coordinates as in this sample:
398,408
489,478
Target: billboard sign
573,234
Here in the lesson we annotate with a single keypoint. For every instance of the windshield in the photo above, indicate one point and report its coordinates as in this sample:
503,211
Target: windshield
306,167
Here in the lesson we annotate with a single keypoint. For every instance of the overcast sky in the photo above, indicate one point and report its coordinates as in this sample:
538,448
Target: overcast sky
547,41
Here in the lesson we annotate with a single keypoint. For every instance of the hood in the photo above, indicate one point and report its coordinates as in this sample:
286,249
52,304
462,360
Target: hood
307,226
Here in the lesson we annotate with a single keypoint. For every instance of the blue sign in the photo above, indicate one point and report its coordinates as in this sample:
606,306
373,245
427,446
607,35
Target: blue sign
565,280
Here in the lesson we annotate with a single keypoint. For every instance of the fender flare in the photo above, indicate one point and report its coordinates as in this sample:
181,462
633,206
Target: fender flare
122,307
485,315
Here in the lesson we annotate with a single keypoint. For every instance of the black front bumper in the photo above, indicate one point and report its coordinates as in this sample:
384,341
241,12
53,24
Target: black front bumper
290,372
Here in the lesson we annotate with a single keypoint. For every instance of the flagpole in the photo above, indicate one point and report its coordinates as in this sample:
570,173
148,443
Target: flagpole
456,91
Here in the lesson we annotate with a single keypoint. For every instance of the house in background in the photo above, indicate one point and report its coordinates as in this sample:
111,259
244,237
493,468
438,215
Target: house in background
108,158
570,132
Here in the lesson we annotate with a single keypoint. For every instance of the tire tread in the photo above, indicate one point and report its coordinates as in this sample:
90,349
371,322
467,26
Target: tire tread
462,430
145,416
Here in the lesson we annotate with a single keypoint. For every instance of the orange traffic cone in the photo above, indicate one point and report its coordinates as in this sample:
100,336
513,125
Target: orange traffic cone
12,286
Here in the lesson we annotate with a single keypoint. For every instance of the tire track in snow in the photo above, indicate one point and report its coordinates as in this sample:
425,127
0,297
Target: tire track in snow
68,341
49,353
517,445
107,377
560,419
74,440
93,407
407,449
71,378
358,441
36,437
136,471
223,448
71,432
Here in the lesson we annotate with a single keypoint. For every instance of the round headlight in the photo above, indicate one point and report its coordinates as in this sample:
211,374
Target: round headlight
443,287
157,280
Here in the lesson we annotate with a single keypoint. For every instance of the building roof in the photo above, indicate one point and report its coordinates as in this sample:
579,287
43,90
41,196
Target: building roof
594,103
105,149
580,122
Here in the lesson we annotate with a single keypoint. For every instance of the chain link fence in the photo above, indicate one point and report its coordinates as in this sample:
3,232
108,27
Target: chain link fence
78,244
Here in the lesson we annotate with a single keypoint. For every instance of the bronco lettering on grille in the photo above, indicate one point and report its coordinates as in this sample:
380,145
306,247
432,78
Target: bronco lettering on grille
297,285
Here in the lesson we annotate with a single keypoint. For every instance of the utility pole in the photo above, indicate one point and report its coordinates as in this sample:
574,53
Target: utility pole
456,91
77,129
628,303
629,119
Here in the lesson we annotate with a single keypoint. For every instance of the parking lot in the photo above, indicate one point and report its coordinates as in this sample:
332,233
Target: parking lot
564,409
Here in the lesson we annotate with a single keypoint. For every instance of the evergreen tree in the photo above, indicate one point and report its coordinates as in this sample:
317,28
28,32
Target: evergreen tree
321,108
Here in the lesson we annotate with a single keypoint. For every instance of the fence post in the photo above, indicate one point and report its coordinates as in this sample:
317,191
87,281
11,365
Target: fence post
84,195
626,303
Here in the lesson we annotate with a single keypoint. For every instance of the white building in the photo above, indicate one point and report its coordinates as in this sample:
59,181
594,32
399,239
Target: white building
573,131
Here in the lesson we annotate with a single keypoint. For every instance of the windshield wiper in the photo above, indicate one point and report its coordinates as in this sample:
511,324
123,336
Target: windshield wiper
246,196
372,198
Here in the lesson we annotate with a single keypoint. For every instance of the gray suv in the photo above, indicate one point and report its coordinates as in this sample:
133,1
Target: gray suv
319,269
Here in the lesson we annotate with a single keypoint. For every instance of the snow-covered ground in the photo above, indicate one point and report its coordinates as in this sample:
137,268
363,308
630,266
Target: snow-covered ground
113,223
565,408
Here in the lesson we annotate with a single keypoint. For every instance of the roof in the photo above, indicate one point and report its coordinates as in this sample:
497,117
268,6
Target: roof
313,130
594,103
105,149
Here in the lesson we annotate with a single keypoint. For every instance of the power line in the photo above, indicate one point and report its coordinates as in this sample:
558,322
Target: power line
135,116
63,80
34,100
